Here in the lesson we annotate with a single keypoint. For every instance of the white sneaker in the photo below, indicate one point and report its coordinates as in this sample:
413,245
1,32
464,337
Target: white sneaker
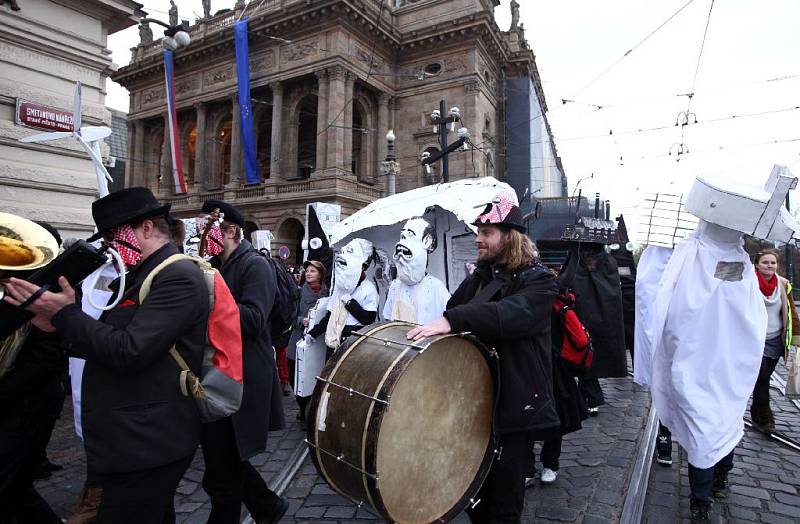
548,476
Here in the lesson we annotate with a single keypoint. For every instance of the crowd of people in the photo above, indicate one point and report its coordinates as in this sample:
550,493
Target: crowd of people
141,430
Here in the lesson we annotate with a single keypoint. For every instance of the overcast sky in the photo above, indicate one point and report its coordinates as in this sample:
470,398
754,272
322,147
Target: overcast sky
749,65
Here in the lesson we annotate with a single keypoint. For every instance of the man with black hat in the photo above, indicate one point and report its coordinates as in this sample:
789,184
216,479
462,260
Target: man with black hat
140,432
229,478
506,302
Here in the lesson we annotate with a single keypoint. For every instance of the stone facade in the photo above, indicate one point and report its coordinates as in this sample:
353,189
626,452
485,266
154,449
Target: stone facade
46,47
328,80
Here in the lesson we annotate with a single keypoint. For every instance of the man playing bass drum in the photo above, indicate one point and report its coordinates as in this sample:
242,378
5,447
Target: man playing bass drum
506,303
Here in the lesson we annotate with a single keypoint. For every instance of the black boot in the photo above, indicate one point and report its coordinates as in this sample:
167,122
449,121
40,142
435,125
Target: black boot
719,489
699,512
664,450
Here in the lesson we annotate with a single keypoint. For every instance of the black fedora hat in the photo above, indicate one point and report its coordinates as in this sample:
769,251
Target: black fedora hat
126,206
232,214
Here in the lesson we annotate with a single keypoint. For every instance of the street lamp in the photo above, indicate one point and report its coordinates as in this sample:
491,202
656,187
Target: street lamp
390,166
175,36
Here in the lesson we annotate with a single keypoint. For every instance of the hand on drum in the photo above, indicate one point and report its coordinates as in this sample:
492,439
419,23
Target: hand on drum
42,303
439,326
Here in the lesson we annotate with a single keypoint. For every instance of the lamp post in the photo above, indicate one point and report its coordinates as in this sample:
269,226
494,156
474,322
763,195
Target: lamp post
390,166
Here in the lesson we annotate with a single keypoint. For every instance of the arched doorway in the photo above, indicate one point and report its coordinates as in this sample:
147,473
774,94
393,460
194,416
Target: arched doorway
188,149
306,136
290,234
249,227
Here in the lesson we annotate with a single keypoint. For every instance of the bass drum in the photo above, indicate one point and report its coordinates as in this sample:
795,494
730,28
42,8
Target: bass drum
403,427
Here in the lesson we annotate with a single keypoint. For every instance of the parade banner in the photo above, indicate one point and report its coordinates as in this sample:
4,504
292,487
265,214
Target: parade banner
252,175
179,183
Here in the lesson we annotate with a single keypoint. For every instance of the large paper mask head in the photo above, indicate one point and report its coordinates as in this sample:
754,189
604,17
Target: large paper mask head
349,263
417,239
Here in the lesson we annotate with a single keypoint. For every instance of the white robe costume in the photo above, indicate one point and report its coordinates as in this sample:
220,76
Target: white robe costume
707,324
420,303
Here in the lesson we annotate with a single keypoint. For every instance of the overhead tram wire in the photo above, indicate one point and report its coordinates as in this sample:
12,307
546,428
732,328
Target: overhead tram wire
628,52
690,94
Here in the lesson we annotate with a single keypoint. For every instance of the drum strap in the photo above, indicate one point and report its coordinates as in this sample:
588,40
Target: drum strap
486,293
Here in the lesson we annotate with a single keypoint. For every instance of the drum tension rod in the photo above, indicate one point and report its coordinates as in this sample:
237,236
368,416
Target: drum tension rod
352,391
473,503
340,458
387,341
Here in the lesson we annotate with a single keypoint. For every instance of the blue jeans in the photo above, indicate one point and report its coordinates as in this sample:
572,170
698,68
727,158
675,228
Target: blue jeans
702,480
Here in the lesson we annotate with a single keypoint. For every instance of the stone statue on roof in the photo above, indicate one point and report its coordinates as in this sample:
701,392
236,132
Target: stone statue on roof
514,14
145,33
206,8
173,13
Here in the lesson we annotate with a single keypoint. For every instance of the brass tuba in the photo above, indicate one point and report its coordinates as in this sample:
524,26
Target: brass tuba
24,246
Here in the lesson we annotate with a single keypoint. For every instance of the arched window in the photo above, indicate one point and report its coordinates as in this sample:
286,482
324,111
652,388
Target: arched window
223,141
357,166
264,142
307,136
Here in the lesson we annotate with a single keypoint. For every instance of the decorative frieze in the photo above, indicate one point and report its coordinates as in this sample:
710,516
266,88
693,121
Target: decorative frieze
218,76
262,63
299,50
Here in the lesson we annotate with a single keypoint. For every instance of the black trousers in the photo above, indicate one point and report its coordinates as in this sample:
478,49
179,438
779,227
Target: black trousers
23,441
502,496
761,389
140,497
591,391
229,480
701,481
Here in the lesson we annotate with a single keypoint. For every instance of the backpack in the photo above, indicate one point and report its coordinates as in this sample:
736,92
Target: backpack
576,345
218,391
286,307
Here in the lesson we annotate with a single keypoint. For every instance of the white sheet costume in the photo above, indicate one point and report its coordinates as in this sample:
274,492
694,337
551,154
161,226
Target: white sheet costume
415,296
706,322
348,266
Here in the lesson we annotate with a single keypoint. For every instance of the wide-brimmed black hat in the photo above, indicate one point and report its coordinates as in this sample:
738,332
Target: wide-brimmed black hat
126,206
232,215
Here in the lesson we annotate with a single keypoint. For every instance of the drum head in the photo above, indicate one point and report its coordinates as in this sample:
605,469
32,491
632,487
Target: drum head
435,434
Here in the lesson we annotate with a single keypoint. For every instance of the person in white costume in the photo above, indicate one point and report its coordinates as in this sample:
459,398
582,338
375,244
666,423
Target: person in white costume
706,326
415,296
354,300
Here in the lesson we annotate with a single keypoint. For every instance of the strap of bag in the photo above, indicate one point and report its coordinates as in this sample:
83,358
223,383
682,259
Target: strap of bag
188,381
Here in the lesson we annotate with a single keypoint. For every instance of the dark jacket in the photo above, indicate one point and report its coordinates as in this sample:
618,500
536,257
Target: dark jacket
35,383
516,322
252,282
307,300
134,415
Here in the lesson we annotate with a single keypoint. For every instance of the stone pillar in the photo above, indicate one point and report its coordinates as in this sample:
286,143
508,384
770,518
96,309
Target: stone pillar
200,169
322,120
349,101
165,169
336,111
277,129
138,156
473,90
236,144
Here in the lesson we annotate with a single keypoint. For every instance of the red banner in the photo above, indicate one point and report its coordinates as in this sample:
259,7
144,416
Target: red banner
39,116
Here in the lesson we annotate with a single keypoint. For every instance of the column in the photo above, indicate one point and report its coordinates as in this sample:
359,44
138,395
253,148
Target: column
383,125
336,102
236,144
349,100
138,156
200,170
322,119
277,129
165,169
472,88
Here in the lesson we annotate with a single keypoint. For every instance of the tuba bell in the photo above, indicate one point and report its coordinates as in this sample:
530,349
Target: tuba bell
24,246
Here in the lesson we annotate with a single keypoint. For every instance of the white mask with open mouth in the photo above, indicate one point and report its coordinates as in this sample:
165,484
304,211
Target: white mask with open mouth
411,253
348,265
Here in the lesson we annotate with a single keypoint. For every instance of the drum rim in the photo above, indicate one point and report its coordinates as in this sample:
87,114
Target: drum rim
377,410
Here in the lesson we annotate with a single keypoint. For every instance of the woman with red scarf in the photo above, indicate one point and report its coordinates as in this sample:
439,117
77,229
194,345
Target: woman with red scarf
781,315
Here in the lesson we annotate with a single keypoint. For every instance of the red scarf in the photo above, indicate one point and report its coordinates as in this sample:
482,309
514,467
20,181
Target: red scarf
316,287
767,287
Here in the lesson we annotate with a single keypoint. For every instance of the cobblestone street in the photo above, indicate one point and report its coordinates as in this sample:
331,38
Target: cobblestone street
764,482
596,466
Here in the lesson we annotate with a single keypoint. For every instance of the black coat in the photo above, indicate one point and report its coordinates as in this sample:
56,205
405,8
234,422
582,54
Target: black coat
516,322
307,300
35,383
593,275
134,415
253,284
570,404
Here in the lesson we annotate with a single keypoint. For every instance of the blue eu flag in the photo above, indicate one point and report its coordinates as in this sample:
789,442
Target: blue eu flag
252,175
